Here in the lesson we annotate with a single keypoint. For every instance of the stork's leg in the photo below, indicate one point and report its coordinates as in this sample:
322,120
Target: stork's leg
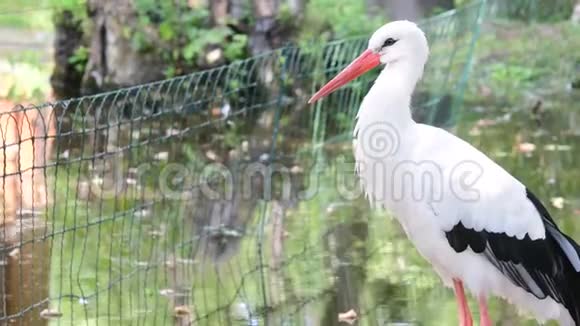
464,313
483,313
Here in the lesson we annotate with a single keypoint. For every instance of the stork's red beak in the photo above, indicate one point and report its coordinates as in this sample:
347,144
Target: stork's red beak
365,62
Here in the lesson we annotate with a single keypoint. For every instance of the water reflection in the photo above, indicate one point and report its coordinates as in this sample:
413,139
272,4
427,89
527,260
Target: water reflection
24,277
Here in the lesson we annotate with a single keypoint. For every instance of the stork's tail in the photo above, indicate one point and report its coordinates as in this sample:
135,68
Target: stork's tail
570,280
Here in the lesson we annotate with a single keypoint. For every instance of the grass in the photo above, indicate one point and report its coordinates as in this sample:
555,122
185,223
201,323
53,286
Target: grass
24,80
26,14
33,14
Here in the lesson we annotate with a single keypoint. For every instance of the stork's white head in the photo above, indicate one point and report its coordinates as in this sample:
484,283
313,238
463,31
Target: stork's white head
396,43
400,41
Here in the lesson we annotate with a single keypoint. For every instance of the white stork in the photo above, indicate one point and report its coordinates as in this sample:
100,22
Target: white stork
475,223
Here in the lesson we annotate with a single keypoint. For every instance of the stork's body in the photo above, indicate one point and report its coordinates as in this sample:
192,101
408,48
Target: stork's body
476,224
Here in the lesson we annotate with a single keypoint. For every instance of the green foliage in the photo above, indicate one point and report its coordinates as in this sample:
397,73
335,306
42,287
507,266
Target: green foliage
503,73
237,47
285,16
345,18
35,13
185,34
80,58
25,78
510,63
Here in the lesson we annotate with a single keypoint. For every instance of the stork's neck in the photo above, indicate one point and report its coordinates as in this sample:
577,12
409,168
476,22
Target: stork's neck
389,99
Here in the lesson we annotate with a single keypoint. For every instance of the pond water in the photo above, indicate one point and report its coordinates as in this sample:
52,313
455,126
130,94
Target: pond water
302,259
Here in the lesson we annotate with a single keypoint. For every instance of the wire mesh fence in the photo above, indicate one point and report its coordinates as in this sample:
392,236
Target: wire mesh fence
532,10
214,198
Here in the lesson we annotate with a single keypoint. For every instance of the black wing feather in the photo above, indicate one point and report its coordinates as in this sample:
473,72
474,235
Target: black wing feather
541,267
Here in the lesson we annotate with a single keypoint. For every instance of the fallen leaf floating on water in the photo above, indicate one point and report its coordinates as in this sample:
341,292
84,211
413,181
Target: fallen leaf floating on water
181,311
475,131
65,155
98,181
216,112
50,314
211,155
485,123
172,132
226,109
240,311
557,202
14,253
161,156
526,148
264,157
245,146
556,147
142,213
156,233
485,91
296,169
348,317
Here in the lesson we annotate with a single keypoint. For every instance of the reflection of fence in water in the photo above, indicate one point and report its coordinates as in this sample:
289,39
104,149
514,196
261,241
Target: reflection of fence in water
118,249
27,141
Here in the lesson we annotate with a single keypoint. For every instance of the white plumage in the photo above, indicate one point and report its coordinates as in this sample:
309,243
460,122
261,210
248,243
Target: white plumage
474,222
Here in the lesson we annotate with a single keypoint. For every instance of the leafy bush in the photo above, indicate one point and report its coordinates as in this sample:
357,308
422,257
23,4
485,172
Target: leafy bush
337,19
185,33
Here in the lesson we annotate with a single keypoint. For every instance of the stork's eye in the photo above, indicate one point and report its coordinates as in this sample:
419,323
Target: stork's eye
390,41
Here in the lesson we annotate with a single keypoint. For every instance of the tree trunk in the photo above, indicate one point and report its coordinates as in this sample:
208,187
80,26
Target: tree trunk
113,61
219,12
237,9
297,7
265,12
346,247
66,76
265,8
